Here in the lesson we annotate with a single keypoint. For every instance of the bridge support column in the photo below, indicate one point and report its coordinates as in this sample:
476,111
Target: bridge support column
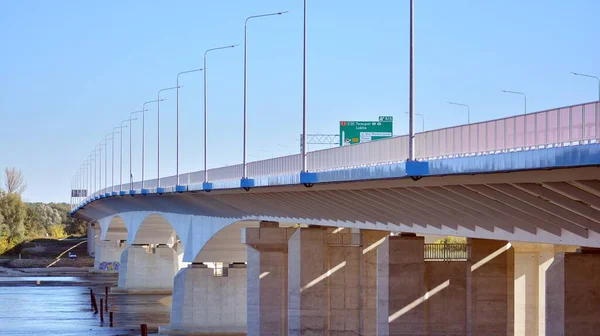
267,279
370,240
531,262
107,255
401,286
147,269
324,282
205,301
491,284
572,294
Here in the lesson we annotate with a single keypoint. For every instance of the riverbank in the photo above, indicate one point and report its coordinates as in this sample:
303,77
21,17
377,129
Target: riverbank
47,253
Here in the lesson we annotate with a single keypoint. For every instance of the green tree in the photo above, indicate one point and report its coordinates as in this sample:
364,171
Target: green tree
72,225
14,212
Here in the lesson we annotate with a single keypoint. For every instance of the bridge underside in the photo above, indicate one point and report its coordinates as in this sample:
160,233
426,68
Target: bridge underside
560,206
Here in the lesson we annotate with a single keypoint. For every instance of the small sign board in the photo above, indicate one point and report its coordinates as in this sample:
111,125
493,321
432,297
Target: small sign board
78,193
353,132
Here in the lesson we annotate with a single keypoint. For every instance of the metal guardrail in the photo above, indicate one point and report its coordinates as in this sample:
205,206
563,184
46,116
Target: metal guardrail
447,252
565,126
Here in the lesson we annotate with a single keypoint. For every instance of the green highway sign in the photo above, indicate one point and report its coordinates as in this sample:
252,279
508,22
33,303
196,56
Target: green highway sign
353,132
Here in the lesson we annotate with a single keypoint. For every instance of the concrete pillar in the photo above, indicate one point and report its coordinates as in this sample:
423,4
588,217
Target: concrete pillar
531,262
446,307
492,288
107,256
307,292
179,249
267,279
323,282
205,303
344,286
401,286
370,240
93,237
147,269
573,294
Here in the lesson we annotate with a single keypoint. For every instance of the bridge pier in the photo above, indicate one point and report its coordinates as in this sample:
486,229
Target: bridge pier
329,287
267,281
206,300
490,289
573,294
415,297
531,263
107,255
323,285
145,268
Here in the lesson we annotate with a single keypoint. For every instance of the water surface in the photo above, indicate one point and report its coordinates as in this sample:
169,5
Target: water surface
60,305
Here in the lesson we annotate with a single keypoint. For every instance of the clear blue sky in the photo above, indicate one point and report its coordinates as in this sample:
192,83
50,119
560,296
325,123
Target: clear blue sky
70,71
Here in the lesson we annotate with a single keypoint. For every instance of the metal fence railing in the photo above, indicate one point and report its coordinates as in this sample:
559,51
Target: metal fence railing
565,126
447,252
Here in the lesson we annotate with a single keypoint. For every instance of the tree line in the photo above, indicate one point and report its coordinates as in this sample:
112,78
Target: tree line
20,221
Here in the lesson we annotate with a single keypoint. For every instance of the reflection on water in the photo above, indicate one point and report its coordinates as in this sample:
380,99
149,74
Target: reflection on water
43,279
65,310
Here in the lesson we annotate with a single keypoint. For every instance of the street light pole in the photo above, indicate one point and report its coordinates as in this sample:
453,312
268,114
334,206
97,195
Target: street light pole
515,119
422,118
106,160
468,110
112,174
589,76
158,188
90,173
177,150
245,168
121,160
519,93
143,141
303,140
97,173
131,118
411,100
205,118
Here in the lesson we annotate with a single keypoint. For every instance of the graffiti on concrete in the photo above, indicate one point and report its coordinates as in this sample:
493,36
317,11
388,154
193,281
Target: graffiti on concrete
109,266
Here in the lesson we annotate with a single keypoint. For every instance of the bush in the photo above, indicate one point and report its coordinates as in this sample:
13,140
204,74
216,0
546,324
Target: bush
6,246
57,231
452,240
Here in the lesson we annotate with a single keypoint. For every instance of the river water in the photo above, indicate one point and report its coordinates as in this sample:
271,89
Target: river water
60,305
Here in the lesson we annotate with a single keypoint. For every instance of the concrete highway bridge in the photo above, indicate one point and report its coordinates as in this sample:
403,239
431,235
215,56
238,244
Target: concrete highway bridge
345,248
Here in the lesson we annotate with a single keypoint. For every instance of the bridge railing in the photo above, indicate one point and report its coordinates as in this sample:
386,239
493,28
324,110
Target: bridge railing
447,252
569,125
576,124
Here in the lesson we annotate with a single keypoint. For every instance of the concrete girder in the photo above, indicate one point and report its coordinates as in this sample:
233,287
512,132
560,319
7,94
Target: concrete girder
542,220
481,219
570,221
520,219
501,220
565,202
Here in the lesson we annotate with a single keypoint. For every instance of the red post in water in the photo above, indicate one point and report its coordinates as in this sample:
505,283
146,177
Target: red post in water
101,312
92,298
144,328
106,299
95,304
